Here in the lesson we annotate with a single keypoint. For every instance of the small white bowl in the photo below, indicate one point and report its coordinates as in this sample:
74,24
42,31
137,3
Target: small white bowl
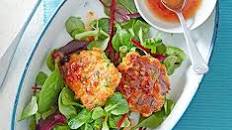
203,13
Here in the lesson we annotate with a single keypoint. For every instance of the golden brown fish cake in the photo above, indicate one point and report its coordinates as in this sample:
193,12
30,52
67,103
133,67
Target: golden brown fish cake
144,83
91,76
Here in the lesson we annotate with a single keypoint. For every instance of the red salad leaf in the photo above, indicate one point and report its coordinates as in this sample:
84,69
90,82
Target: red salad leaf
138,45
120,122
160,57
121,13
113,55
73,46
112,18
118,13
51,122
62,53
133,15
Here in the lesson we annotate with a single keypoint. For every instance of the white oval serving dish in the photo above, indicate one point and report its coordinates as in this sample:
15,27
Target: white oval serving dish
184,83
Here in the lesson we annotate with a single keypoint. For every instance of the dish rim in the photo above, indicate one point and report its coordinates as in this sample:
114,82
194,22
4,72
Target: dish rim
51,18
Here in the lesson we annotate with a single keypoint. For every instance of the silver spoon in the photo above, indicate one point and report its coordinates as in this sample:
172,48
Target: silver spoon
199,65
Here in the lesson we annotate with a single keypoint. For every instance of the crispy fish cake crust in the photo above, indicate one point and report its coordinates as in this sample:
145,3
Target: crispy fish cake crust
144,83
91,76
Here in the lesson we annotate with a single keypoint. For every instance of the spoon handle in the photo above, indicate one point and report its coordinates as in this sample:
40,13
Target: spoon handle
198,63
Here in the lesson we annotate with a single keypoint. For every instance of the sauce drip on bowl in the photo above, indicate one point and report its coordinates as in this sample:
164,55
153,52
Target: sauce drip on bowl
160,11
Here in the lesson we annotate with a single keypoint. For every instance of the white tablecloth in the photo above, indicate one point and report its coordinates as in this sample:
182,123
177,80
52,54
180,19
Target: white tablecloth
13,13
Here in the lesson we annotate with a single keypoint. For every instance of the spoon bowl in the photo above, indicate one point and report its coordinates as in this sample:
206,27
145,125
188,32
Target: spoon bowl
202,14
174,5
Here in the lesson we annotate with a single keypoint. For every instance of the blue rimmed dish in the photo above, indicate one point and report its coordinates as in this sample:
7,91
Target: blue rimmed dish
184,82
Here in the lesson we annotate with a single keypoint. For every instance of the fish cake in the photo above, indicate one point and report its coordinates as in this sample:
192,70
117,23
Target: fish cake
144,83
91,76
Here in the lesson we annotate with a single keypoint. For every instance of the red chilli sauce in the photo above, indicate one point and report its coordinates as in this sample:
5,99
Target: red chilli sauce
164,14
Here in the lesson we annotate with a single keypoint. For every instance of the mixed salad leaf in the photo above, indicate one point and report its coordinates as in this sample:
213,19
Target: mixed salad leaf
136,29
74,26
50,91
41,78
116,105
51,122
106,117
157,118
124,9
54,106
30,108
66,103
80,120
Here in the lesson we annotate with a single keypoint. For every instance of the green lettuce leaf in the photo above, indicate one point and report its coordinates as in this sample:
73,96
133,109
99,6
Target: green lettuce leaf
128,4
101,41
30,109
152,121
48,113
175,57
87,127
156,118
102,24
105,124
169,63
40,78
49,93
122,38
117,105
113,120
132,29
61,127
50,62
97,124
82,118
66,102
98,112
32,124
74,26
